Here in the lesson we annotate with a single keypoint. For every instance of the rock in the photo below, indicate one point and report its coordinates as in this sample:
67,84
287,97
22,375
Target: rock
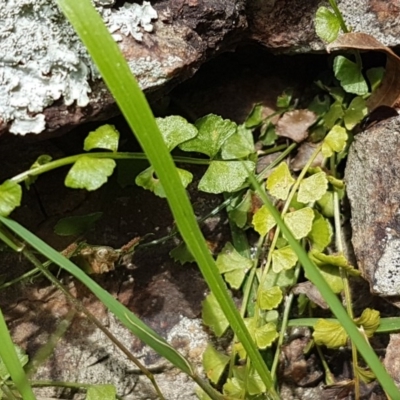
48,82
392,359
373,187
54,84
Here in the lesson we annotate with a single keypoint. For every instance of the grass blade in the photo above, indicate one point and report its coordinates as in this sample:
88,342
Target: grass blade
335,305
142,331
12,363
132,102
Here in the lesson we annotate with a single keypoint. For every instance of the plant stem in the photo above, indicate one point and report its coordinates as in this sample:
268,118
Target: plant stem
329,378
347,292
336,306
284,324
115,156
261,176
286,207
345,29
339,16
8,392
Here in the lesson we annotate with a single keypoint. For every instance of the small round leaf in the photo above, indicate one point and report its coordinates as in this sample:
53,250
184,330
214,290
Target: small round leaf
10,197
300,222
280,181
89,173
105,137
312,188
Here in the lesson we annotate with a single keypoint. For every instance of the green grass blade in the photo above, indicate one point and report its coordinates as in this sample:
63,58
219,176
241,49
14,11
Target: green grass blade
142,331
132,102
335,305
13,365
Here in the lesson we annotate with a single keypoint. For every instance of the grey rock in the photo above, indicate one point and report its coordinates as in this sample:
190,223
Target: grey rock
373,187
392,361
49,83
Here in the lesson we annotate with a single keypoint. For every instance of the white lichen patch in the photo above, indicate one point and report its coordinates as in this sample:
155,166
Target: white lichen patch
387,274
130,18
42,59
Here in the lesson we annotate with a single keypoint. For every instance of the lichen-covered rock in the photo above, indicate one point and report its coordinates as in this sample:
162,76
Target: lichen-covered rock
373,188
49,83
48,80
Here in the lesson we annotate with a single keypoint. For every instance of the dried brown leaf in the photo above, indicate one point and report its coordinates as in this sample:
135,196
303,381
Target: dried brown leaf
388,93
294,124
303,155
311,292
265,161
339,390
296,367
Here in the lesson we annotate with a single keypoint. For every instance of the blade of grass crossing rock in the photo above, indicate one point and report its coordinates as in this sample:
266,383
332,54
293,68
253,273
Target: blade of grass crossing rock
12,363
141,330
335,305
132,102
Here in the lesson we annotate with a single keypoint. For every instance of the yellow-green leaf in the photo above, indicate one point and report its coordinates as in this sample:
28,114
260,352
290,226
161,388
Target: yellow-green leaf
255,118
332,276
212,133
77,224
41,160
213,316
312,188
175,130
101,392
335,141
104,137
365,374
321,232
337,259
225,176
375,77
283,279
265,335
335,182
350,76
214,363
327,25
233,265
327,205
334,113
330,334
240,351
300,222
23,359
280,181
234,388
355,113
369,320
239,145
89,173
181,254
283,258
10,197
269,298
263,221
148,180
255,385
240,209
